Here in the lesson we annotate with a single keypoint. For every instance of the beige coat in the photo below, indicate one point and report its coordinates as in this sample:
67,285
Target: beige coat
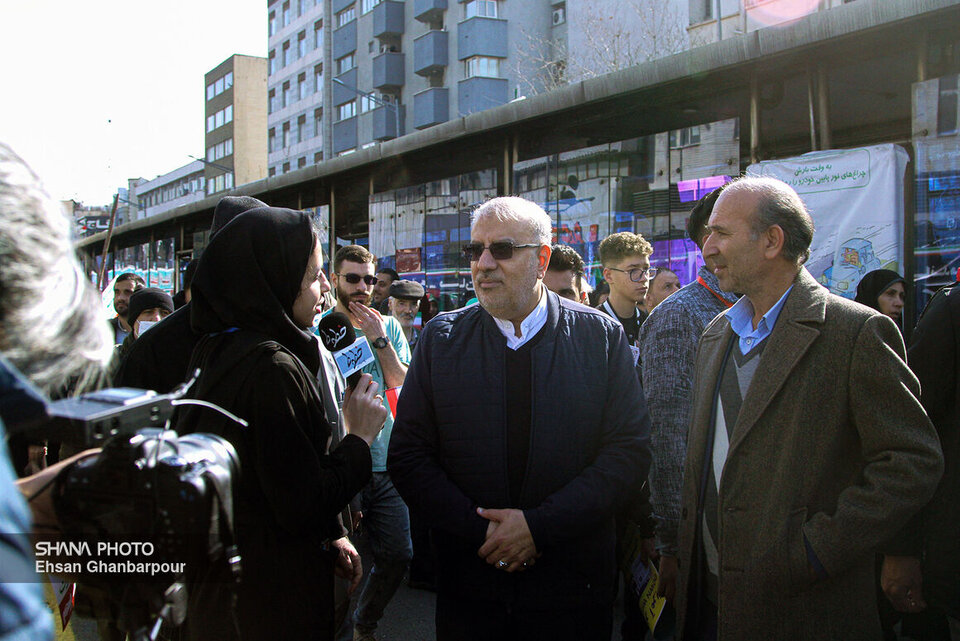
831,442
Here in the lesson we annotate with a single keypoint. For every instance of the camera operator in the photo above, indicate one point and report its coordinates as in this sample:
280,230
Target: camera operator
51,336
256,292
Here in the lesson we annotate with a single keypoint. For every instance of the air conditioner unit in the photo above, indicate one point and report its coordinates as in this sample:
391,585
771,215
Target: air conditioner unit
559,16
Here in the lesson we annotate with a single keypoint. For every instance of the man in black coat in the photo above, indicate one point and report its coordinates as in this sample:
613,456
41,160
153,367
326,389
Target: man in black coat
921,568
520,429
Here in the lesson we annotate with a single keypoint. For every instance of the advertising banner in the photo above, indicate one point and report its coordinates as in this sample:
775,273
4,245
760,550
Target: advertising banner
856,199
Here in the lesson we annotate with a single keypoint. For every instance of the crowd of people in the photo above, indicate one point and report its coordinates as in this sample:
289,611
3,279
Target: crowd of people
784,461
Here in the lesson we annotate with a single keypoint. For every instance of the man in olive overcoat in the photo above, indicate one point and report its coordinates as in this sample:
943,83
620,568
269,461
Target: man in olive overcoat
808,446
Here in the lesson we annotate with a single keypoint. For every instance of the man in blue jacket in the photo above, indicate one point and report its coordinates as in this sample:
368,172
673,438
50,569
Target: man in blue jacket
520,429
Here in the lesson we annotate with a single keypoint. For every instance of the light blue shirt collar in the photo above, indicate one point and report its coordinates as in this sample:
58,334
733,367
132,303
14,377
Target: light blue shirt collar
530,325
741,321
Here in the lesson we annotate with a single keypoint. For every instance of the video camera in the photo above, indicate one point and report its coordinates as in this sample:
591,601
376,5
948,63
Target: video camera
149,515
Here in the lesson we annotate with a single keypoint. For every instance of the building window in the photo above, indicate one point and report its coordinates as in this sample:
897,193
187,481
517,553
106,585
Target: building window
211,123
367,103
317,122
272,66
318,34
347,15
286,167
287,57
346,63
702,10
272,172
220,150
285,20
317,157
271,101
367,6
347,110
272,23
318,78
482,66
482,8
684,137
286,135
220,85
287,94
302,86
272,139
948,122
301,162
228,181
301,129
301,44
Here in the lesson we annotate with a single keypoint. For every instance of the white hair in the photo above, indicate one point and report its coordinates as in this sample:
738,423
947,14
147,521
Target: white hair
521,210
51,326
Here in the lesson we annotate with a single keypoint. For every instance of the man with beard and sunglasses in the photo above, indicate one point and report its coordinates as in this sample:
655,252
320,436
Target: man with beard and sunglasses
384,513
520,431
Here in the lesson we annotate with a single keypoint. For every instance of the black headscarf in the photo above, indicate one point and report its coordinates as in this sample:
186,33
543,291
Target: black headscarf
875,283
229,207
250,276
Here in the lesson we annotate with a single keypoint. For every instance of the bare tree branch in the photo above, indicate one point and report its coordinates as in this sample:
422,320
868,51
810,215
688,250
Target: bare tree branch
599,39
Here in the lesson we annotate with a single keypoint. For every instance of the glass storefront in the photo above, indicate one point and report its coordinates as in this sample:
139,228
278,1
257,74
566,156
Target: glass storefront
937,188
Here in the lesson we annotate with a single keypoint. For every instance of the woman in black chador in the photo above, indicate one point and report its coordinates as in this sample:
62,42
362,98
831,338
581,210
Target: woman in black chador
256,292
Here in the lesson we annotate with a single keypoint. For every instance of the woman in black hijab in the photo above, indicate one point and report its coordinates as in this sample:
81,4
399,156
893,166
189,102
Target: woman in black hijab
256,292
883,290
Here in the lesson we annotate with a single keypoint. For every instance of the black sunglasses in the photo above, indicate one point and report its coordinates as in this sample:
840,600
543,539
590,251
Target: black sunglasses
500,250
353,279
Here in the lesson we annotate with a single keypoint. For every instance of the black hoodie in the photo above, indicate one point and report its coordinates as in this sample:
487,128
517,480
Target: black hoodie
258,364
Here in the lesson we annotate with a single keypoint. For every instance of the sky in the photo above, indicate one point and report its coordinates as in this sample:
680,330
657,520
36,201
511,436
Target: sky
95,92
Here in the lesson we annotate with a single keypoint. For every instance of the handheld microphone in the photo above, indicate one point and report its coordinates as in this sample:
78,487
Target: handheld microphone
350,353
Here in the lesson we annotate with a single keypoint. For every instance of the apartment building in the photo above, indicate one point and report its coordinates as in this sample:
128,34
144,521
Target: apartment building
235,138
179,187
346,74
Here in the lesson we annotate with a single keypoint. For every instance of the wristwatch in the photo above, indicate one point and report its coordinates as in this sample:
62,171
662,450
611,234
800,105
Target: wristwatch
380,343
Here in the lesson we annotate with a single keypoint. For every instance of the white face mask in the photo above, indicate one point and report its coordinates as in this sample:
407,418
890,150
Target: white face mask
145,325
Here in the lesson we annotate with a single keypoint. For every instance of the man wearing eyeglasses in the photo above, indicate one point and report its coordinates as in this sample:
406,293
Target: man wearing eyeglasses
385,516
520,429
626,267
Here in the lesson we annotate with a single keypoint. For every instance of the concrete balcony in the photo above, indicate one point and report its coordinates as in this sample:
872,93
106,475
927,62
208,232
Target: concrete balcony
388,71
388,19
479,36
429,10
385,122
477,94
431,107
344,135
342,94
345,40
430,53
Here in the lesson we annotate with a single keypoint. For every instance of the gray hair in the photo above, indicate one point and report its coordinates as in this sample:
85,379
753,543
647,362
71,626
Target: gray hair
778,204
521,210
52,327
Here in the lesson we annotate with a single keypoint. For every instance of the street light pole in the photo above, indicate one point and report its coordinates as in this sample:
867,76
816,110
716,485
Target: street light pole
379,101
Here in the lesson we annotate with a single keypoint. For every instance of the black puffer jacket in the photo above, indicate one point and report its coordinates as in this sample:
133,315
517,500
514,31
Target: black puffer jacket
589,442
